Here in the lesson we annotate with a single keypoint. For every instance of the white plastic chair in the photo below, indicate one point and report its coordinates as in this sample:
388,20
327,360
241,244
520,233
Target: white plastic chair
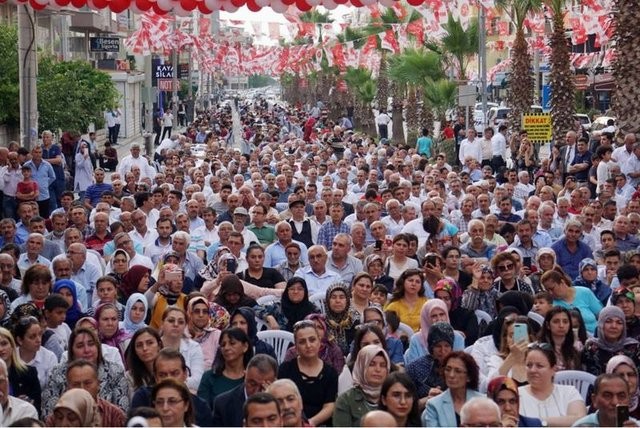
404,329
536,317
578,378
267,300
318,300
280,340
482,316
261,325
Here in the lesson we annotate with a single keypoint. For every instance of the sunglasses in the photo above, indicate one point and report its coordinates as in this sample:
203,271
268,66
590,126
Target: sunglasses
504,268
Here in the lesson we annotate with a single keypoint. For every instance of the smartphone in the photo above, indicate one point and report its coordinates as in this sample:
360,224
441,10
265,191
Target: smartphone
430,260
520,332
232,265
175,275
527,262
378,245
622,414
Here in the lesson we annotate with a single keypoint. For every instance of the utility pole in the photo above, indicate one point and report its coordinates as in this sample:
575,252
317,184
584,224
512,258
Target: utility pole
174,83
482,56
27,71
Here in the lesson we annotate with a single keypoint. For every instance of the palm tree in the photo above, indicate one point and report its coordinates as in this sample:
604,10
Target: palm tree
388,20
520,87
625,67
460,44
326,78
561,78
415,68
363,87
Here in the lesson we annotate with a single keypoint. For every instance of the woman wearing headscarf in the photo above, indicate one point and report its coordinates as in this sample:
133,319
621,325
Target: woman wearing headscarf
625,367
611,340
109,331
231,294
504,391
435,310
462,319
135,313
293,307
341,318
136,280
75,408
588,277
5,309
118,264
329,351
426,371
481,294
244,318
545,261
369,372
67,289
374,266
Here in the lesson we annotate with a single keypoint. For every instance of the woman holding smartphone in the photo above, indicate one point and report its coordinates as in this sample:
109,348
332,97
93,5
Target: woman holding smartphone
509,361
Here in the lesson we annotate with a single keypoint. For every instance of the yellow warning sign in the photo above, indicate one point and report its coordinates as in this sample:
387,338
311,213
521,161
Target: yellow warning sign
538,127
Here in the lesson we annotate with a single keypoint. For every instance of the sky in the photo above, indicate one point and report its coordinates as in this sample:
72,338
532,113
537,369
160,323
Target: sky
267,14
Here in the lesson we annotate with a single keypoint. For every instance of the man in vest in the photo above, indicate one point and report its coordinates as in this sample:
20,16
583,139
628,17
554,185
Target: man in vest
302,229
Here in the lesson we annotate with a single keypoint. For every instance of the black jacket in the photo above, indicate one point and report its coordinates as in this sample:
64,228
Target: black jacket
227,408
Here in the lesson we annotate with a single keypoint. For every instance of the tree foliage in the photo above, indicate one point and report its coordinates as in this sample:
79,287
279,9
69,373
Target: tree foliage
461,44
72,95
259,81
9,89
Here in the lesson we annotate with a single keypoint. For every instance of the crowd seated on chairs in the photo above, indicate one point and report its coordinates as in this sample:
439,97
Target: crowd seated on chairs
316,276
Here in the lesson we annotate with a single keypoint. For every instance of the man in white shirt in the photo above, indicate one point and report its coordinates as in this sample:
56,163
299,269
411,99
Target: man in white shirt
141,233
316,275
499,148
134,158
622,154
632,167
470,146
382,120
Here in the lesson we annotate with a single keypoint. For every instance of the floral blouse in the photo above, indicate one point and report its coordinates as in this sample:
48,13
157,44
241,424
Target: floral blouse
113,386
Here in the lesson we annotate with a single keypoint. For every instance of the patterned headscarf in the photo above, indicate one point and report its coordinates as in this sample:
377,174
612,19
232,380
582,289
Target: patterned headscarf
616,362
80,402
450,286
502,383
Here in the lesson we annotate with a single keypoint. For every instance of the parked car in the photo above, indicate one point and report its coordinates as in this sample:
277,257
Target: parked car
584,119
498,115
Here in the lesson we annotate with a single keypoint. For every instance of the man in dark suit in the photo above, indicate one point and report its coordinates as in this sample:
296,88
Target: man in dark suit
228,407
167,364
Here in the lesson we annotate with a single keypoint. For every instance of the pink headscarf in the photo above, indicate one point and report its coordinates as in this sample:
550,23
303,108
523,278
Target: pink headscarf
425,317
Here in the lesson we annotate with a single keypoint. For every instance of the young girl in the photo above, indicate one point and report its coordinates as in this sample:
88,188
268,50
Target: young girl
107,292
135,313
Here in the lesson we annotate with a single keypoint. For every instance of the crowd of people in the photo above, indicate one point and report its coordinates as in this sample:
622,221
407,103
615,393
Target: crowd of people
416,289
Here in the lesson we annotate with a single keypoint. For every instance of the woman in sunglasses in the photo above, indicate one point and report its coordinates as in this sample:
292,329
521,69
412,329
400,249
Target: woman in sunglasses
566,295
504,265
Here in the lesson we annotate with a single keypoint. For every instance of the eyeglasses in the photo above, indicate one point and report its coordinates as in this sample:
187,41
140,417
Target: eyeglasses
503,268
171,402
